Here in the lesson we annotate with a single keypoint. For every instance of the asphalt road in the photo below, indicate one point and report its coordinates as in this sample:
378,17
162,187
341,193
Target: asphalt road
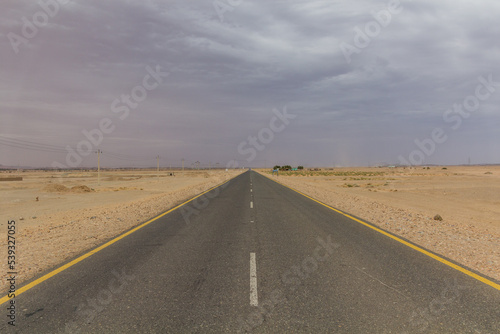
256,256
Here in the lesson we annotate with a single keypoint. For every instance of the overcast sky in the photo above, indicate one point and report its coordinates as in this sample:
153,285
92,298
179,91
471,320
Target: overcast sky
349,90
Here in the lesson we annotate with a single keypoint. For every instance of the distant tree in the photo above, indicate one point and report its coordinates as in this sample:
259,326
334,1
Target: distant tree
300,167
286,167
276,167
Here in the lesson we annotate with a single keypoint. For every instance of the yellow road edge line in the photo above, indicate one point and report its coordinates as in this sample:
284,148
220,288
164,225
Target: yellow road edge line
421,250
86,255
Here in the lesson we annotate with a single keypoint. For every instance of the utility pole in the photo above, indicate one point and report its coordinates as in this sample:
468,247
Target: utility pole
183,164
209,165
158,167
99,167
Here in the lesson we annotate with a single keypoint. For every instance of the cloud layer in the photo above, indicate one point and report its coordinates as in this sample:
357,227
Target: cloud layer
230,66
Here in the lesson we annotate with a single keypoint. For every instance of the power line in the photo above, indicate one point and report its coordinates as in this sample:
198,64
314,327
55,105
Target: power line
127,158
33,146
25,142
22,144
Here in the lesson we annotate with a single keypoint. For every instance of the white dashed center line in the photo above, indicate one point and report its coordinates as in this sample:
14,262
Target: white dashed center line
254,300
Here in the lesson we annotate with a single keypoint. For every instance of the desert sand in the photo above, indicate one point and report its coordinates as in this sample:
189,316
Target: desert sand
59,215
405,201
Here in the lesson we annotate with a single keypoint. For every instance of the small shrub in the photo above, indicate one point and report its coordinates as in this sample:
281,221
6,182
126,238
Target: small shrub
438,217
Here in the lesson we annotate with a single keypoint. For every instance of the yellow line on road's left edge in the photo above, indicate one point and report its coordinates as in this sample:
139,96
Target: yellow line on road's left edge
86,255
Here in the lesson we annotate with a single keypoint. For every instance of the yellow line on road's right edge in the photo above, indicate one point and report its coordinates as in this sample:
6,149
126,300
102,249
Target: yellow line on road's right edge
421,250
86,255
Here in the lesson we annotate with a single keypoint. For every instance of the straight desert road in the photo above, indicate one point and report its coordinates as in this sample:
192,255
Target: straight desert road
255,256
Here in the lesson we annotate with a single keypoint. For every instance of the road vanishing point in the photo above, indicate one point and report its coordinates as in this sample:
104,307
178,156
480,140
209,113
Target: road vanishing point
255,256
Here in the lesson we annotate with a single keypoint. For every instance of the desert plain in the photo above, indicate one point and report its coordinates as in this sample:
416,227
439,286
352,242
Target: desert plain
59,215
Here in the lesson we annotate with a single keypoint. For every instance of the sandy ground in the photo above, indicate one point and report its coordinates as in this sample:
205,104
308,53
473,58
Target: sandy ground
74,213
405,202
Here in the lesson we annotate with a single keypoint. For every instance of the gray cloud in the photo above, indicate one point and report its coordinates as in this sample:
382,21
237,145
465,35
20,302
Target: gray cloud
226,77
